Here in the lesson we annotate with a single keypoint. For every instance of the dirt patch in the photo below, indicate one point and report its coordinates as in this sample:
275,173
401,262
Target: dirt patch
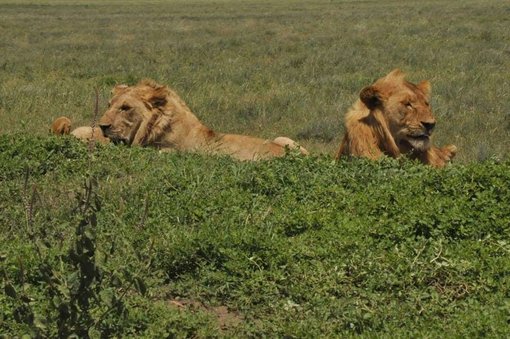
226,318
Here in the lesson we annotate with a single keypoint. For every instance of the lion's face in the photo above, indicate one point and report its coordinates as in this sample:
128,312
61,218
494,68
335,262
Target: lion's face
405,107
128,108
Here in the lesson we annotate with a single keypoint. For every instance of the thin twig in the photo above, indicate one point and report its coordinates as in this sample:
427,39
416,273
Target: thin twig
141,224
92,140
420,251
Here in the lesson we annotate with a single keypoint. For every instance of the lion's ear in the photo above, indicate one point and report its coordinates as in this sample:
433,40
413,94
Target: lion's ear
158,97
118,89
371,97
396,73
425,87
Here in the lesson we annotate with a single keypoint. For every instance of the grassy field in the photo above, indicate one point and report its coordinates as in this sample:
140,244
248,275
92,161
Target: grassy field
266,68
114,241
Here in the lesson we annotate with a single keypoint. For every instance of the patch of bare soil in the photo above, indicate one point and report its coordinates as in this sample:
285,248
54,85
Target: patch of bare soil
226,318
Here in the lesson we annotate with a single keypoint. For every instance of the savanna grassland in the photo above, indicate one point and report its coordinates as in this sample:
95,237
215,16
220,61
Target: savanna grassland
266,68
112,241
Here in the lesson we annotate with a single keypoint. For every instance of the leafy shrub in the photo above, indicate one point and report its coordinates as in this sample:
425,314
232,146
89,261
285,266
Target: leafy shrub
299,246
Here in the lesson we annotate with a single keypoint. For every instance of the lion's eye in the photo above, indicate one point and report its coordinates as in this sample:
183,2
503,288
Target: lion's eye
125,108
408,105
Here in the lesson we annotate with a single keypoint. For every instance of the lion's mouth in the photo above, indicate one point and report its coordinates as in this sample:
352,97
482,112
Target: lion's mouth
419,137
419,142
117,140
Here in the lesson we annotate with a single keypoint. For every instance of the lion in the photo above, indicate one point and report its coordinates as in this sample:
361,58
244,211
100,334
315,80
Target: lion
88,133
291,144
62,126
150,114
393,117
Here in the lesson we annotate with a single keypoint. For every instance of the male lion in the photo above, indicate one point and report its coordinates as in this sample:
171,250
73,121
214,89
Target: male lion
150,114
393,117
62,126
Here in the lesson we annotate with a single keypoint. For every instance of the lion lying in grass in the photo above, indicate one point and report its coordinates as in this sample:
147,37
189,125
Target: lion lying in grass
62,126
393,117
150,114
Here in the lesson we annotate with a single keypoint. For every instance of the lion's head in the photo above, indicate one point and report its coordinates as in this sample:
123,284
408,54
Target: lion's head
134,111
406,109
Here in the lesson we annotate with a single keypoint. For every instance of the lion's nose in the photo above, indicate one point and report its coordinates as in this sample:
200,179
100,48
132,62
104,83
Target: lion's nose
104,127
428,125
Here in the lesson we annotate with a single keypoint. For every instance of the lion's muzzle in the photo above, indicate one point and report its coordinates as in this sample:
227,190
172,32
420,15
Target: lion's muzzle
429,126
105,128
110,134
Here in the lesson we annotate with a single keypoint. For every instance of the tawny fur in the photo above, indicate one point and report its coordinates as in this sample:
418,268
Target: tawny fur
393,118
284,141
150,114
62,126
87,133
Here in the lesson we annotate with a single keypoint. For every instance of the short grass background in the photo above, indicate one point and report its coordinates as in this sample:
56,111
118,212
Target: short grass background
182,245
266,68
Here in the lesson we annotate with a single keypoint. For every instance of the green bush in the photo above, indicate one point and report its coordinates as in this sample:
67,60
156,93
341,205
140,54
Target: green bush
297,246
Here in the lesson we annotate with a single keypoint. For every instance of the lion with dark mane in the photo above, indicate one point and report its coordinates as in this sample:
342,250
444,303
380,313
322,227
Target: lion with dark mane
393,117
149,114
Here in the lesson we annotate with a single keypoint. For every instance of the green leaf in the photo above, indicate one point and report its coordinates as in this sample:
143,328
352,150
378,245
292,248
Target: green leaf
140,286
39,322
107,296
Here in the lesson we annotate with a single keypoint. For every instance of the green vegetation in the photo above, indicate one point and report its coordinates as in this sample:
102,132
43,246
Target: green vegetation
116,241
157,244
265,68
